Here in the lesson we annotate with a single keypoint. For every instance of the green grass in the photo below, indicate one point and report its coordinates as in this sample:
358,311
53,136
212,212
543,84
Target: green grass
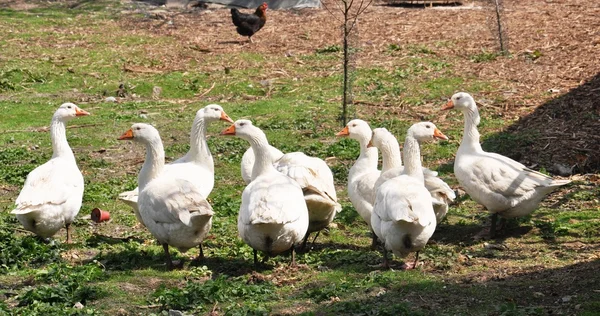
117,267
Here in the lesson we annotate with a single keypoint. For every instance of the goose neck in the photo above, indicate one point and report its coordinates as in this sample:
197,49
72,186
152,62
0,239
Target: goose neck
391,156
471,134
199,151
154,163
412,158
370,154
58,135
263,161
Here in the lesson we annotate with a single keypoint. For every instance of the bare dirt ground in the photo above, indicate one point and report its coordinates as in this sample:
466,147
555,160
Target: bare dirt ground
553,64
566,33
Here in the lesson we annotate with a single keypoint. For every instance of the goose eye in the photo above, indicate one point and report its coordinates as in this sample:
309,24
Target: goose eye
68,107
353,125
428,126
458,98
242,124
138,128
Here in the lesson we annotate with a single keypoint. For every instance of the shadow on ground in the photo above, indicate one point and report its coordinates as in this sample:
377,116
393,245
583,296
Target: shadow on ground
560,135
541,291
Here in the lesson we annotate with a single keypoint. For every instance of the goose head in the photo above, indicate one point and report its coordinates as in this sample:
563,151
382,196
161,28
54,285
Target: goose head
425,131
68,111
461,101
141,132
358,130
466,104
213,112
243,129
381,138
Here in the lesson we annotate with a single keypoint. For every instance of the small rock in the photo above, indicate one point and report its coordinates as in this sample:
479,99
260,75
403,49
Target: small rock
173,312
122,312
334,299
566,299
110,99
144,116
494,246
538,294
563,170
214,6
78,305
553,90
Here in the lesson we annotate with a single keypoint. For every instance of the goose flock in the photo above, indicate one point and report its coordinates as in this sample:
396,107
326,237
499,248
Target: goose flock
288,196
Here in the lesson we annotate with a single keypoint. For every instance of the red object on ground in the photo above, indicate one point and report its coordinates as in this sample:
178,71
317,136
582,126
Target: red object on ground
99,215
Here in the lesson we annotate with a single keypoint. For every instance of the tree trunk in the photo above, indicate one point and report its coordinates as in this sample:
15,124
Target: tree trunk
346,98
503,48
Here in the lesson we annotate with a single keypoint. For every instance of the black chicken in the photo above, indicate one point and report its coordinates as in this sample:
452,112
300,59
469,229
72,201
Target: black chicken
248,24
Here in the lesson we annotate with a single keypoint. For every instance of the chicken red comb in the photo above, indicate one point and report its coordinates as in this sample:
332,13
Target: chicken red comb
264,5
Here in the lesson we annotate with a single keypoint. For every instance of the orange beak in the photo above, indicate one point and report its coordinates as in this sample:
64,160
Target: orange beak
127,135
439,135
225,117
80,112
344,132
448,106
229,131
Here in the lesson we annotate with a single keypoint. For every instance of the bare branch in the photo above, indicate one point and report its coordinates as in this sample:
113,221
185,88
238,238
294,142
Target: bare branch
362,6
362,9
350,5
343,5
331,12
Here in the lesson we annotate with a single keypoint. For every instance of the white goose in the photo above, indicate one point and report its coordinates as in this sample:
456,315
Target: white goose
403,216
273,215
172,208
503,186
248,161
197,164
52,194
315,179
392,167
364,172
